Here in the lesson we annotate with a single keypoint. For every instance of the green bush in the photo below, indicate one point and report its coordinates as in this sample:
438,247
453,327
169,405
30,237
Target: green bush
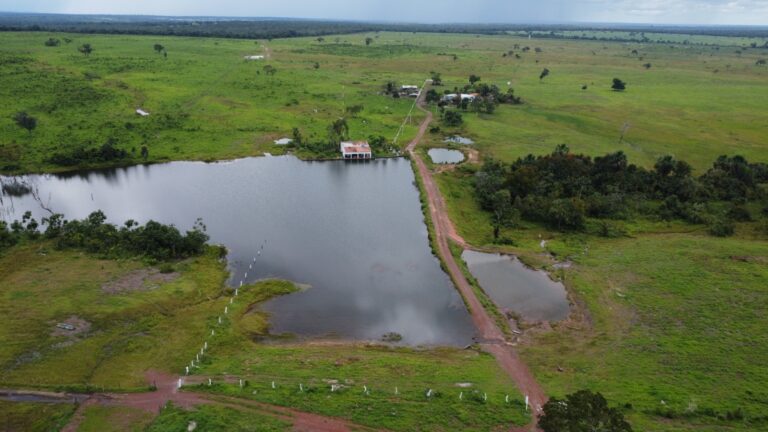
722,228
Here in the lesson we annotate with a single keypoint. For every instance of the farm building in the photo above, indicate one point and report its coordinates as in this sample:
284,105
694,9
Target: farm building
356,150
464,96
254,57
409,90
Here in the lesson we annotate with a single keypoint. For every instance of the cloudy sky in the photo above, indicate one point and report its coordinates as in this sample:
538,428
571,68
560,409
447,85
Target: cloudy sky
754,12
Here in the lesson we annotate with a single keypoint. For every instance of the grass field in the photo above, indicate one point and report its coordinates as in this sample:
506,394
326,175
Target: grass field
206,102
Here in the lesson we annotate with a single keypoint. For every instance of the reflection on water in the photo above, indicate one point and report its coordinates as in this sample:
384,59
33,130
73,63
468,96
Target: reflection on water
354,232
515,287
456,139
445,156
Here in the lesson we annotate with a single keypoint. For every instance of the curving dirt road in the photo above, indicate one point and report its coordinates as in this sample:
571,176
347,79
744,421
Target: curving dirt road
492,338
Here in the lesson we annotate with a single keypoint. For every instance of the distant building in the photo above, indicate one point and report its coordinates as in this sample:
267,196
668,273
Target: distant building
141,112
410,91
464,96
356,150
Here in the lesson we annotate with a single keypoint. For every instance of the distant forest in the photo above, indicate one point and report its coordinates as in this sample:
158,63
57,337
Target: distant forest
267,28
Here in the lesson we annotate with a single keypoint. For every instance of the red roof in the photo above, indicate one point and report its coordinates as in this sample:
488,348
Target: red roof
356,147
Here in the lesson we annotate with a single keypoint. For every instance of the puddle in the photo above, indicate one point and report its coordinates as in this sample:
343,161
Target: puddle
456,139
445,156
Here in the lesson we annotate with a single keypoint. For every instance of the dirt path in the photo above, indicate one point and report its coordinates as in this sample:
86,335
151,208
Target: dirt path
167,391
492,338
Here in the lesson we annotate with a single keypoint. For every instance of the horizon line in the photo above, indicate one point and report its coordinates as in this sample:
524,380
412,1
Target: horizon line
366,21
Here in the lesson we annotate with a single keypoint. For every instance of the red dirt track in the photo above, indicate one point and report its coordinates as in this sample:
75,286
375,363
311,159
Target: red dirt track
492,338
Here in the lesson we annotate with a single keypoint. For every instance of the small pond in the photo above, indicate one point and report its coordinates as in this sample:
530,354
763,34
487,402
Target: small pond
517,288
445,156
355,233
456,139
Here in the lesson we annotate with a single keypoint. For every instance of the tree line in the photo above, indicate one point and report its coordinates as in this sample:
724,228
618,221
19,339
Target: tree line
260,28
93,234
563,190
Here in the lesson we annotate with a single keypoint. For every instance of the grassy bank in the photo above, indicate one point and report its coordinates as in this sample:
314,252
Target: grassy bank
33,417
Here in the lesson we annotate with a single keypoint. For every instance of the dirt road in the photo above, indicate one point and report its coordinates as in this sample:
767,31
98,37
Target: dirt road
167,391
492,338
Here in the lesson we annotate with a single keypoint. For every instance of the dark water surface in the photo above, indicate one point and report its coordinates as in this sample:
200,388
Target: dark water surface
515,287
445,156
353,232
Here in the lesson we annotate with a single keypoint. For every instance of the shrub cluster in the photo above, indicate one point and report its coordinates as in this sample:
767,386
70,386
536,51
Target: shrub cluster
94,235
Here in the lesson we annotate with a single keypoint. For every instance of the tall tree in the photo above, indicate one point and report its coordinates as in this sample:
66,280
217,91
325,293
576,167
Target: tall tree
618,85
544,74
474,79
159,48
503,213
368,41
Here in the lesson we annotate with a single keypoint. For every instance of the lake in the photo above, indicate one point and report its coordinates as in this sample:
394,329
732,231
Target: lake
354,232
517,288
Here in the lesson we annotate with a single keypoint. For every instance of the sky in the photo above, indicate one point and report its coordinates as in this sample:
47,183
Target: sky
747,12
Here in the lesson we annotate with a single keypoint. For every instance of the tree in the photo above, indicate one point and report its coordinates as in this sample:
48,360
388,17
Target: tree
159,48
368,41
144,152
377,142
86,49
338,131
270,70
437,80
544,74
51,42
298,139
453,118
618,85
503,213
760,62
567,213
354,110
316,65
473,79
26,121
432,96
582,411
320,39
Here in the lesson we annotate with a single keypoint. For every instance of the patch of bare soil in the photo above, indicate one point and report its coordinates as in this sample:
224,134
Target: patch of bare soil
139,280
71,327
751,259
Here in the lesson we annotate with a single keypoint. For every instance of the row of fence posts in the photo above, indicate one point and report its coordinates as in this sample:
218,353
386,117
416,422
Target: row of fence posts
334,387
